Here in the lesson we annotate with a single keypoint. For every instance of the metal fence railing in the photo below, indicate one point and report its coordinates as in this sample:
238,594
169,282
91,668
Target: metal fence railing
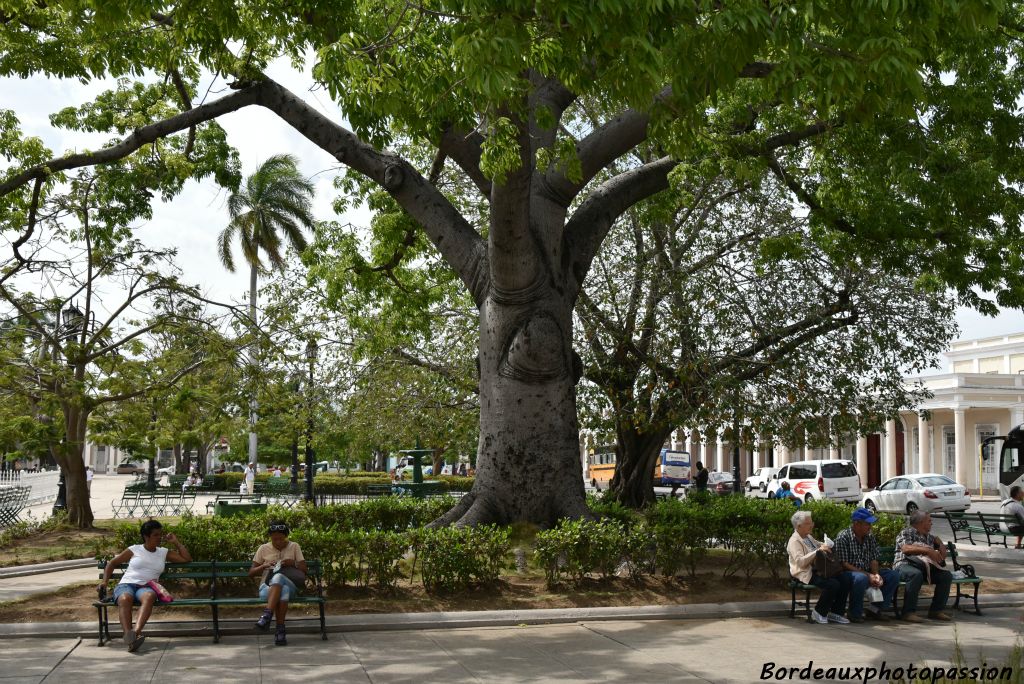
43,484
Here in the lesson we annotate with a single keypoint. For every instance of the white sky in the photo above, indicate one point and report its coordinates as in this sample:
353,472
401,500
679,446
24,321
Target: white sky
193,219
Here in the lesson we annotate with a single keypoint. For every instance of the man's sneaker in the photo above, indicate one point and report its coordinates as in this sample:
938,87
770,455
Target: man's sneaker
940,616
279,638
128,637
264,621
134,646
819,618
912,617
838,619
876,615
856,620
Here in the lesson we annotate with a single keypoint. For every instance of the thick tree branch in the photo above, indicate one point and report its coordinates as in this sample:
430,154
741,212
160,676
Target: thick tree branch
464,148
141,136
453,236
186,102
459,244
549,94
588,226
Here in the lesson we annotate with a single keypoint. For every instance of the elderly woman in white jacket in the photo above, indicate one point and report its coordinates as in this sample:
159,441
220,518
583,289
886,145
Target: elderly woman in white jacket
802,548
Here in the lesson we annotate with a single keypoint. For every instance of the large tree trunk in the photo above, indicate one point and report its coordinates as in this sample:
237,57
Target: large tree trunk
528,457
69,458
636,455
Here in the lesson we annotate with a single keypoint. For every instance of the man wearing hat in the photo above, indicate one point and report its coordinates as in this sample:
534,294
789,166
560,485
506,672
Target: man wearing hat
857,549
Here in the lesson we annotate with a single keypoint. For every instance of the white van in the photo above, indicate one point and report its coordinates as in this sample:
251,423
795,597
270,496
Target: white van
835,480
760,479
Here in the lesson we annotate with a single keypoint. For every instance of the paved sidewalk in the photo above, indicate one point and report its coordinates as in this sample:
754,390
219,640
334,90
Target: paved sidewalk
734,650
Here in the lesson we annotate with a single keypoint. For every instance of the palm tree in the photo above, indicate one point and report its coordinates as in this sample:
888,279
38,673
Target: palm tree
274,201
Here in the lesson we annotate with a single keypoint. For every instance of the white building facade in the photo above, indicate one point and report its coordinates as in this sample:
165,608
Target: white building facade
980,395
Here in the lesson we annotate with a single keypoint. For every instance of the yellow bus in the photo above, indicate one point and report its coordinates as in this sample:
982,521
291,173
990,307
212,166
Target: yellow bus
673,467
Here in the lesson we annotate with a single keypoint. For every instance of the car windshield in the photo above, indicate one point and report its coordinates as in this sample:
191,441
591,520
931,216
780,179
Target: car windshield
935,481
838,470
719,477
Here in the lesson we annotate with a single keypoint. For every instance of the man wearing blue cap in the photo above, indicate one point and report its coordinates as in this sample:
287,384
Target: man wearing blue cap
857,549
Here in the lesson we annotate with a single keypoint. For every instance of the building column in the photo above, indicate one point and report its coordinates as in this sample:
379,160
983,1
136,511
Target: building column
924,446
781,454
1016,416
693,448
963,458
862,459
890,450
720,456
710,449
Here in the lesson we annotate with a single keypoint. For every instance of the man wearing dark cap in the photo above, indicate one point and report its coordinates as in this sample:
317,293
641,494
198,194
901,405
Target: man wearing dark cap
857,549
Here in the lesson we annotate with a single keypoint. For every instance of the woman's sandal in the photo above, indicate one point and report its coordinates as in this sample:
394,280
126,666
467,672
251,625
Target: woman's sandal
139,640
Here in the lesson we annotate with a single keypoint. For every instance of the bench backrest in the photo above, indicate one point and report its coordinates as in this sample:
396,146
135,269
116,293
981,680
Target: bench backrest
205,570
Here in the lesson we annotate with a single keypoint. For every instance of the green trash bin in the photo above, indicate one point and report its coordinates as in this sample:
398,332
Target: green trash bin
226,509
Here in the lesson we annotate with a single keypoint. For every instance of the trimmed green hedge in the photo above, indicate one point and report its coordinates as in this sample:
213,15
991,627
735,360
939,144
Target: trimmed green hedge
676,535
381,540
354,483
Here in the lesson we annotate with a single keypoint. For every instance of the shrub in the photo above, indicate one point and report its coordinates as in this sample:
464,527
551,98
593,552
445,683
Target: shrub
681,532
378,556
577,548
459,557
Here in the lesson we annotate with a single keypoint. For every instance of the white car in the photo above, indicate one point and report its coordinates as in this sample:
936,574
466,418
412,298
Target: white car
759,479
928,492
169,470
810,480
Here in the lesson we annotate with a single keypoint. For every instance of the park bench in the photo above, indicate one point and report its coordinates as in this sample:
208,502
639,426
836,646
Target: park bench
233,497
12,501
163,501
379,490
278,490
215,577
989,524
886,554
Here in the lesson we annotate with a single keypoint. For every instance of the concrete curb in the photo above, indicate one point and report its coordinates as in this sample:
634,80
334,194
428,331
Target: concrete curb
41,568
992,554
393,622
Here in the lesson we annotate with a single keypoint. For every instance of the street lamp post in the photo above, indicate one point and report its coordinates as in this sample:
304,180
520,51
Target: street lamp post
311,359
296,387
69,322
736,442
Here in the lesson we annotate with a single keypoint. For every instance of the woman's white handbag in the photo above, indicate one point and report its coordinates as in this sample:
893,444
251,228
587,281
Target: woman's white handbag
873,595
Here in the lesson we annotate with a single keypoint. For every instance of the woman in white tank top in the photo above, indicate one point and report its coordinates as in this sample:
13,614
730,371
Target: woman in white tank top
145,564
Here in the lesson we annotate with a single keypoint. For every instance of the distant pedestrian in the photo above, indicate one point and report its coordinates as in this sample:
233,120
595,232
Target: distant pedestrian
701,482
1014,507
250,478
88,480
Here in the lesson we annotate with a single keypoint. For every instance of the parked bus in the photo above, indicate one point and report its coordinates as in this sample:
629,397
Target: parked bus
1011,462
673,467
1011,459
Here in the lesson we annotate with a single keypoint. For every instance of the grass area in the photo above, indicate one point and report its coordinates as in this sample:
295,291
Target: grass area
52,540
